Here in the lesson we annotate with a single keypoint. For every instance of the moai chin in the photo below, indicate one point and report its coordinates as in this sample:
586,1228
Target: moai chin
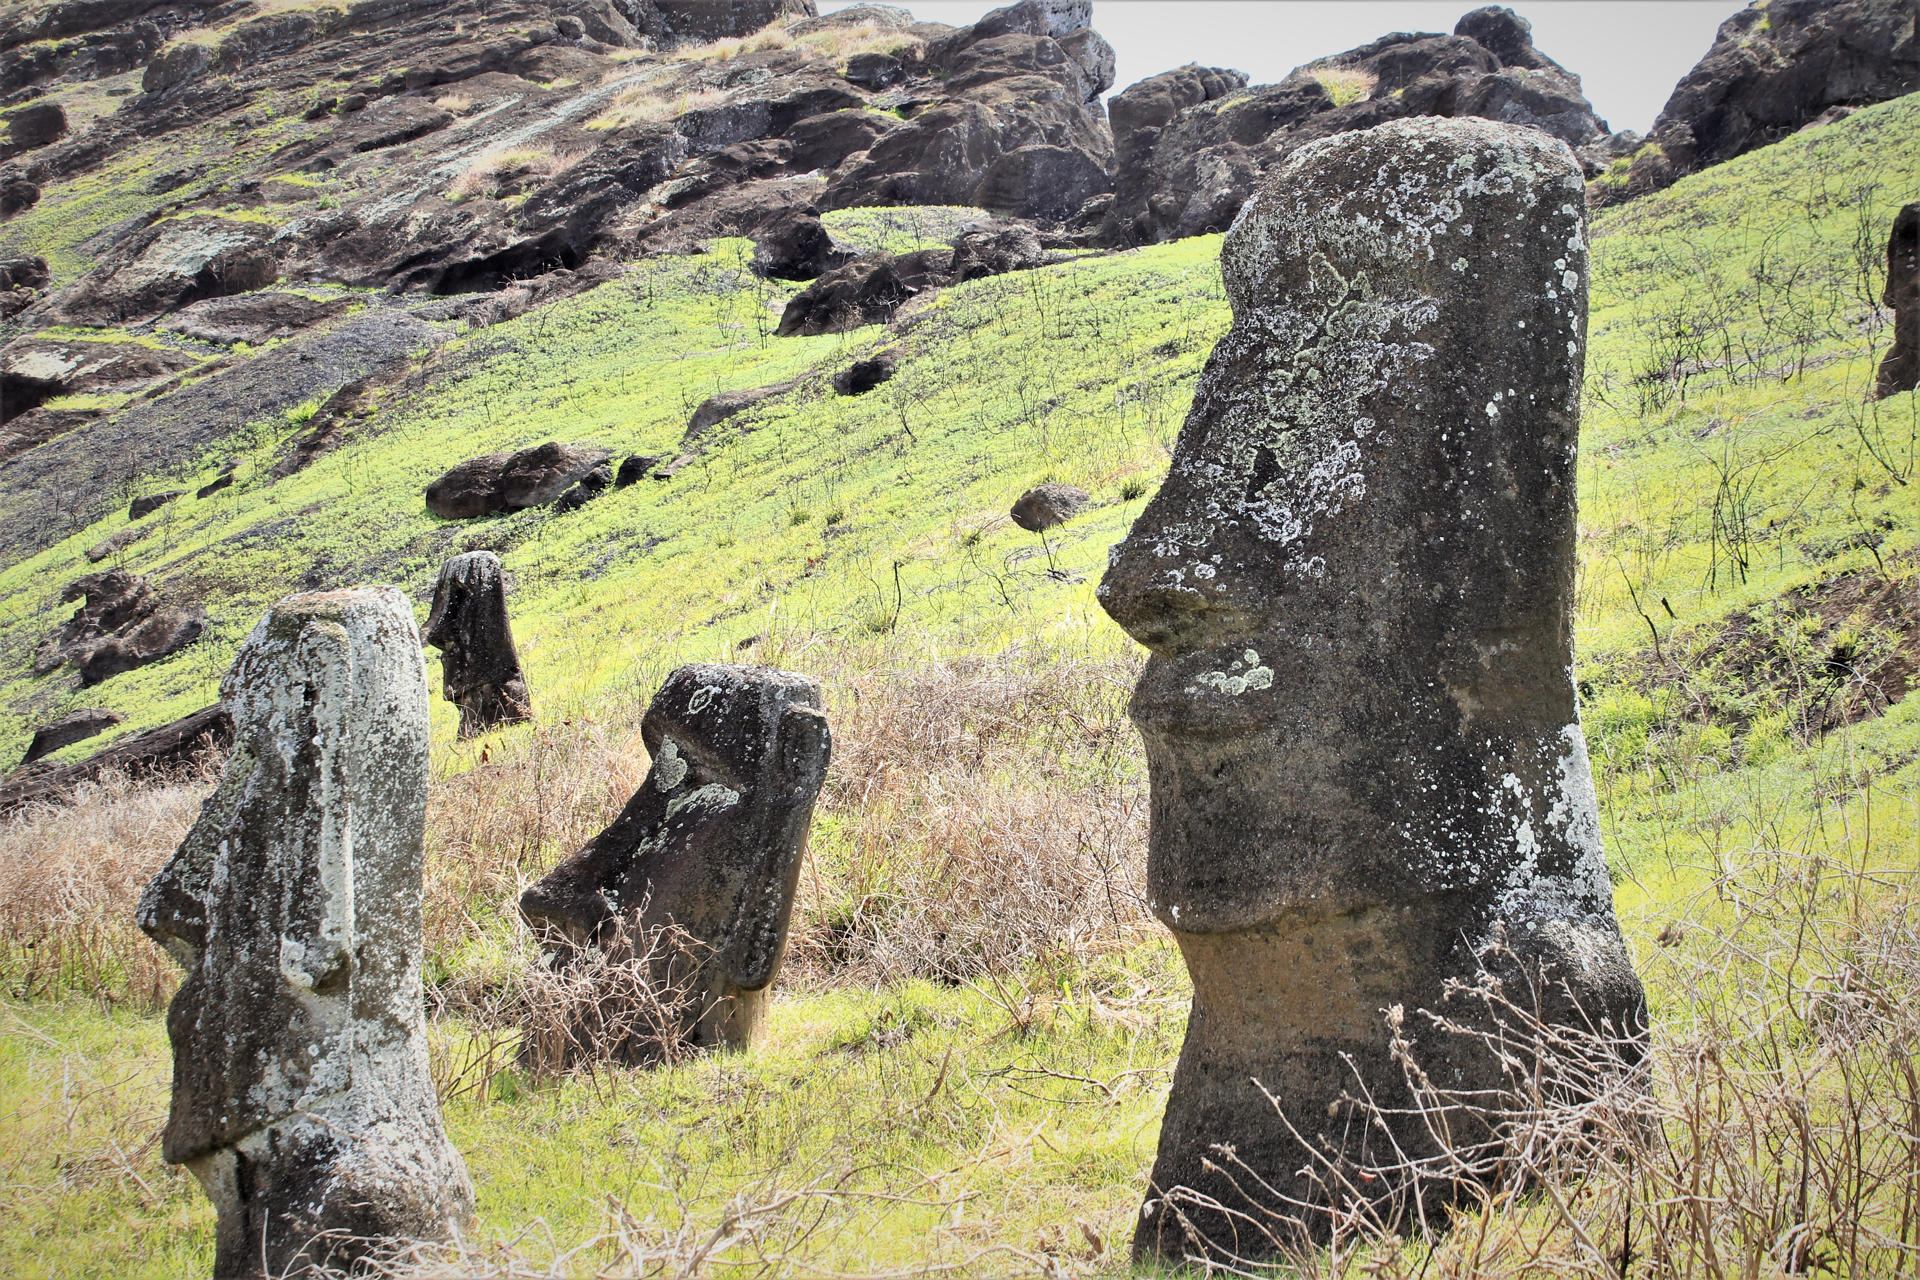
479,666
709,847
301,1096
1363,745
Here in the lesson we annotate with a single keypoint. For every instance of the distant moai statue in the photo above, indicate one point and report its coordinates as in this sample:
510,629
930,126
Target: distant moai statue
301,1095
1900,368
1367,770
479,665
708,849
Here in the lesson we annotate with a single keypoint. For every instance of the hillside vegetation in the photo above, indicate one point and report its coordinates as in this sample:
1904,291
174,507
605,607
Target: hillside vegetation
972,1042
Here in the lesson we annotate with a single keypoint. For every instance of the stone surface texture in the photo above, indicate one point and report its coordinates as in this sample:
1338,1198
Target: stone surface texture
301,1096
479,666
1900,367
75,726
710,844
1365,755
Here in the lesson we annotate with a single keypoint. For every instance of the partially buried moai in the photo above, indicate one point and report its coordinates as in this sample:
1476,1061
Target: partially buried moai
301,1096
479,666
1900,367
1367,770
709,848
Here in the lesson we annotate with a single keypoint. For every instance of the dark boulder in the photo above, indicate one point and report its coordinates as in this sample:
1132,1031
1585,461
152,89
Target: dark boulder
1775,67
585,489
1044,506
35,126
164,633
868,290
145,506
798,249
23,273
874,71
635,468
1900,368
1191,145
171,264
863,376
17,195
704,21
171,749
222,481
114,601
75,726
995,249
503,482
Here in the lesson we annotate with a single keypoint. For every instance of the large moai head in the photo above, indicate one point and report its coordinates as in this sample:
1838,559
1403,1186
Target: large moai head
709,847
479,666
301,1095
1359,710
1900,367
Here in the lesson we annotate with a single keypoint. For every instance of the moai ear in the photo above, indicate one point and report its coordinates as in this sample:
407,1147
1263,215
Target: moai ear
758,936
316,940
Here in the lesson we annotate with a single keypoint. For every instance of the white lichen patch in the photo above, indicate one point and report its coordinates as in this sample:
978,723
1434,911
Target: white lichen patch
669,769
1241,675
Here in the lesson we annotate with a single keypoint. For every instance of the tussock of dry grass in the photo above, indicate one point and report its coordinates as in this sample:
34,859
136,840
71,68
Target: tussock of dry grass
70,877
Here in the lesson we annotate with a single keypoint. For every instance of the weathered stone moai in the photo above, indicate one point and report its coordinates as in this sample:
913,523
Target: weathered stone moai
1900,368
708,848
1364,750
301,1097
478,663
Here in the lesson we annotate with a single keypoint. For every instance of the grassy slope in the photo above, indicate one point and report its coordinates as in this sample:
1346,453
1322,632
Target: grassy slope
793,531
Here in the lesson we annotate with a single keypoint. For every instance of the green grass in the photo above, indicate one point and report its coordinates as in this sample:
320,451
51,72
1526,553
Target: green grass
1729,457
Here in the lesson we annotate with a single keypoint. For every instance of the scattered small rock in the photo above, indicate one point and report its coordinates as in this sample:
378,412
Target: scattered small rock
1047,505
635,468
142,507
863,376
503,482
585,489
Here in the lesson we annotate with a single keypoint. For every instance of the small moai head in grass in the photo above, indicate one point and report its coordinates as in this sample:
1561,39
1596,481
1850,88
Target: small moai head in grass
1369,782
695,879
301,1096
479,666
1900,367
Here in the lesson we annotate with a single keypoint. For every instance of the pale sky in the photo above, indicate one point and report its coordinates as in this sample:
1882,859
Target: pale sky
1627,53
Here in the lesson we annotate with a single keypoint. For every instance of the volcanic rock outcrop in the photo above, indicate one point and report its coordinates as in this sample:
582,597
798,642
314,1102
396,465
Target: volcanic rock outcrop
1367,769
1191,144
301,1096
1775,67
1900,367
479,666
871,289
696,876
119,626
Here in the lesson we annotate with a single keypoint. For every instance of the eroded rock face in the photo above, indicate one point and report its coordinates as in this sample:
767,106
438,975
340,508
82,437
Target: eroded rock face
1366,760
1900,368
301,1096
1192,144
119,626
479,665
709,845
1775,67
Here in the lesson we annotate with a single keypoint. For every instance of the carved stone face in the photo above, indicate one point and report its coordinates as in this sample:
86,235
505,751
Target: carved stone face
711,842
1355,581
292,899
468,623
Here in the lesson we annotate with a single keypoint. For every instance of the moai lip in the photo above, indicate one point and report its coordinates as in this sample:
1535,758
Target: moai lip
301,1096
708,849
480,668
1367,769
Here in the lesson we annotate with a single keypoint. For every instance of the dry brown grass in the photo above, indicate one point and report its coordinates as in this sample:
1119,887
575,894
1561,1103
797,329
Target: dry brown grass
501,170
70,876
